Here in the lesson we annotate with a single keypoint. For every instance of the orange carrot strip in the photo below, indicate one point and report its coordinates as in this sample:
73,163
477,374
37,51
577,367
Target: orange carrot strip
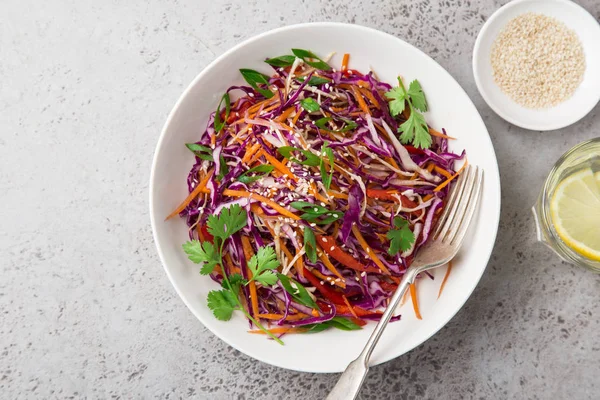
285,114
360,100
270,203
300,264
248,253
328,279
445,279
345,62
197,190
349,306
447,181
250,152
415,302
367,93
296,117
442,171
370,252
277,331
433,132
328,264
338,195
274,162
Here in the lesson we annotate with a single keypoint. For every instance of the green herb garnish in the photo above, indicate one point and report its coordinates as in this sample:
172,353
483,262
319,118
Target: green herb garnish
314,212
310,244
281,61
336,322
326,178
311,59
322,123
260,171
297,291
254,78
415,128
310,105
262,265
401,238
202,152
314,80
218,124
224,302
312,160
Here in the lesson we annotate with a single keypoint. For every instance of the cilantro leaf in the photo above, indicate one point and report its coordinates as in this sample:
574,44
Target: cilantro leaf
297,291
310,105
417,97
227,222
262,265
235,281
415,130
398,96
204,253
401,238
310,244
222,303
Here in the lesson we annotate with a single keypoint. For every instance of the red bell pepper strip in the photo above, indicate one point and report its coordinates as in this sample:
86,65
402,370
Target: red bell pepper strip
391,195
327,243
328,293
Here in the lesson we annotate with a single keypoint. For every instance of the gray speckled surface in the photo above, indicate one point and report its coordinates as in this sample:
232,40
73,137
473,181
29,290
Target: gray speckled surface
87,310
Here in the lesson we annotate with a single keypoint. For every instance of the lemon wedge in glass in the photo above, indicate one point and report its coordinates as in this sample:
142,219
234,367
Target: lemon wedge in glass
575,212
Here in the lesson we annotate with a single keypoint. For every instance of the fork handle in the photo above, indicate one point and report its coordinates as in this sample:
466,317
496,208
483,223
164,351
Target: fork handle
349,384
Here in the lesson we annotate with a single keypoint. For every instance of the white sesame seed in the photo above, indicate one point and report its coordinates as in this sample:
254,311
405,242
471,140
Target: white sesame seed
313,224
324,240
332,248
251,94
363,273
323,205
322,282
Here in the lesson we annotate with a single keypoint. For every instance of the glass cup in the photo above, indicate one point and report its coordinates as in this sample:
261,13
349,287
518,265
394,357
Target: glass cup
583,156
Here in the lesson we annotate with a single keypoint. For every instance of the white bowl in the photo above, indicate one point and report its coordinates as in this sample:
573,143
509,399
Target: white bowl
332,350
572,110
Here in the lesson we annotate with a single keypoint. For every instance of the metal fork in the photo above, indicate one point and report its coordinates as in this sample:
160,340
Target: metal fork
442,247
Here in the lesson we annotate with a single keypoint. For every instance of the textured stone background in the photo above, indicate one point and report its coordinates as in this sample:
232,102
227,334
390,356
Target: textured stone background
86,309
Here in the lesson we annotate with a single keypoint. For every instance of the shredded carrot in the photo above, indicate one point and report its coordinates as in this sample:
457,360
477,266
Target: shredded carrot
329,279
430,167
293,317
248,253
250,152
256,209
277,331
447,181
367,93
296,117
299,264
349,306
315,192
197,190
404,298
270,203
338,195
285,114
433,132
361,102
445,279
345,60
415,302
278,165
442,171
370,252
329,265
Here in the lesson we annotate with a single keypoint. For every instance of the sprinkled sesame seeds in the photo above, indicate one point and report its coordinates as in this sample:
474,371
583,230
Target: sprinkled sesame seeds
537,61
332,248
324,240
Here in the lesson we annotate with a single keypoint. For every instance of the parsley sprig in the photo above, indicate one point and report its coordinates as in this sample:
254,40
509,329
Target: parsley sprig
414,130
401,238
227,300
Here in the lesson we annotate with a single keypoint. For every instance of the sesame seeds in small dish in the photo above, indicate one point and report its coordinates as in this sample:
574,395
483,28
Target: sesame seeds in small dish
533,63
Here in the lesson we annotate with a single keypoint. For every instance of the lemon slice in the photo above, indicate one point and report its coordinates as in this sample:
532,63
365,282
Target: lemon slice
575,212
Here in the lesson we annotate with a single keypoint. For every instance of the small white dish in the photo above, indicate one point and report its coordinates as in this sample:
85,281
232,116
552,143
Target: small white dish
450,108
572,110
